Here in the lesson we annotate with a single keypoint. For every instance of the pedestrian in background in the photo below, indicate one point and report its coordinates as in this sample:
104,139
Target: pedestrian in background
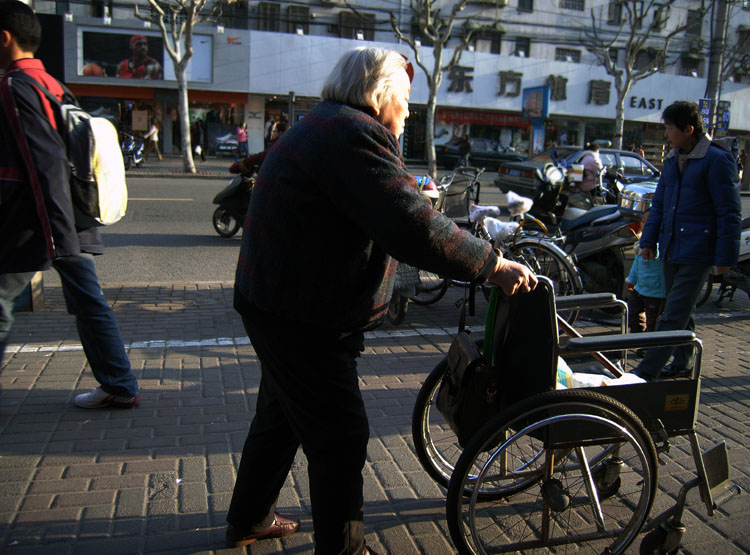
37,224
695,221
464,151
592,165
251,163
153,139
197,139
307,292
242,151
645,293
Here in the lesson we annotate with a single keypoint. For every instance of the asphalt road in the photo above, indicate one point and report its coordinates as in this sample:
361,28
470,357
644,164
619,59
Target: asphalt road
167,234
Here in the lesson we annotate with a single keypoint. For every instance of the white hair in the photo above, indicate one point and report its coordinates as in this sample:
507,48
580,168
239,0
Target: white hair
363,77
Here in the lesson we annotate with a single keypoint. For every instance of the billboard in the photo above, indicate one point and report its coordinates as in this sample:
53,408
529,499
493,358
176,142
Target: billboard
119,54
535,104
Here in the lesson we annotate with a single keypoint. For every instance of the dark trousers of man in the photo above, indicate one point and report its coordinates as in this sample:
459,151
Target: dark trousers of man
683,284
643,311
309,396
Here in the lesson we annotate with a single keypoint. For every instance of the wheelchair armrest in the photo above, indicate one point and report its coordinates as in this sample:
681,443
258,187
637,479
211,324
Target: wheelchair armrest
588,300
593,343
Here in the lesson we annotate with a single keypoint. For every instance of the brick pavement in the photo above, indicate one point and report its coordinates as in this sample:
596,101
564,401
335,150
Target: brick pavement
158,479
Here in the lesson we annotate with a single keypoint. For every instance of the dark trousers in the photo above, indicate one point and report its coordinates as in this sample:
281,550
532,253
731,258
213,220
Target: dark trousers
643,311
95,321
309,396
683,283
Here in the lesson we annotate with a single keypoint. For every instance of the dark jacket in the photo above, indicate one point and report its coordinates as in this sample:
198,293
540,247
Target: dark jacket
332,202
36,215
696,214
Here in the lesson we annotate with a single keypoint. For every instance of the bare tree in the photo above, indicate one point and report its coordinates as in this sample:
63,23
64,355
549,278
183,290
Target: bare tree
438,27
645,39
176,19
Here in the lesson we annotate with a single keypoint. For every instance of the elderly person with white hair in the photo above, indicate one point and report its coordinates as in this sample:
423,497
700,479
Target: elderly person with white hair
332,207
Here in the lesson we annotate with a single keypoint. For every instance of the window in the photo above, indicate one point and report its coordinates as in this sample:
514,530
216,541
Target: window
661,14
614,15
523,47
614,54
743,39
632,165
645,59
579,5
695,23
489,41
690,65
567,55
268,16
417,34
528,5
357,26
299,19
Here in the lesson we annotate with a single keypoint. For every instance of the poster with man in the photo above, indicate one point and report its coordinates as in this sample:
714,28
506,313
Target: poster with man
127,56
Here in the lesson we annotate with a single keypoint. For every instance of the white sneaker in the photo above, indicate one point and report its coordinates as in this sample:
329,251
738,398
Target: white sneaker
99,398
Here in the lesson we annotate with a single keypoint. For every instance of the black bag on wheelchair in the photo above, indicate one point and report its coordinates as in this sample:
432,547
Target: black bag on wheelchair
468,395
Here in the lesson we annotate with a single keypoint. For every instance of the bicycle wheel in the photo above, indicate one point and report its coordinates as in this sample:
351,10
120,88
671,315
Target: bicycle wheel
549,454
706,291
397,309
546,259
431,288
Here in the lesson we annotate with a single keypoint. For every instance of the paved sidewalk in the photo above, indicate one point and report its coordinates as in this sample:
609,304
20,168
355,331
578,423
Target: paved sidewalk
158,479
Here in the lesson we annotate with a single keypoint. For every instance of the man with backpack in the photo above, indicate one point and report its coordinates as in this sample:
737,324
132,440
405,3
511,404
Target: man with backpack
37,222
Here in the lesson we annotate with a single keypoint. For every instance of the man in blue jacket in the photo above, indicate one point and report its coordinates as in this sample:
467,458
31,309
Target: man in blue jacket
37,225
696,220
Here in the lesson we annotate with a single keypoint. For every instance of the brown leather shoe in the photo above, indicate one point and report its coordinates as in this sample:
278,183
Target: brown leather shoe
279,528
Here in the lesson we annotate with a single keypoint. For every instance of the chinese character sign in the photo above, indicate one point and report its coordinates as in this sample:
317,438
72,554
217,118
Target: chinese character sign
722,116
510,83
704,105
557,85
599,92
460,79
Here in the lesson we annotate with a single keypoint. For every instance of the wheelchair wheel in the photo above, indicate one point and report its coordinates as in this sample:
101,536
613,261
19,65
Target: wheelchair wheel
546,260
545,455
431,288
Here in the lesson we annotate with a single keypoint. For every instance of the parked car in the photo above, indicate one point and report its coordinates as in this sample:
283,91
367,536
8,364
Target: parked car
226,145
485,153
520,177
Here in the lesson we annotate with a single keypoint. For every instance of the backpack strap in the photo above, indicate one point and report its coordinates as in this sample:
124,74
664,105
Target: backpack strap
68,96
11,112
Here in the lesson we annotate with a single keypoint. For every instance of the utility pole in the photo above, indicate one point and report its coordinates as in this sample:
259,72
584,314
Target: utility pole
716,61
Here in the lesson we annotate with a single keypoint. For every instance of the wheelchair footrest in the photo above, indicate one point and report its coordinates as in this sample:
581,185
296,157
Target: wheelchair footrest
716,464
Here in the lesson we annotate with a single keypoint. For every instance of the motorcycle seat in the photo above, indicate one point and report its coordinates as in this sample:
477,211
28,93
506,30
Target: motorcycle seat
588,217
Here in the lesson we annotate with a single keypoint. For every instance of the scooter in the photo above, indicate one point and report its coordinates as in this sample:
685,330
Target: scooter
132,150
737,277
595,237
233,201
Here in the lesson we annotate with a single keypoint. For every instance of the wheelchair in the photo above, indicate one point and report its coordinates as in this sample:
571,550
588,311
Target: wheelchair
566,470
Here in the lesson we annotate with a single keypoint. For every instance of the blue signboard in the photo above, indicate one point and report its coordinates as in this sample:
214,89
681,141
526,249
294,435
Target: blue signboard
535,103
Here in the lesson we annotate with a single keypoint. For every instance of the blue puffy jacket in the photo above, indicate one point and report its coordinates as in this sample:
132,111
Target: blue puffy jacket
696,217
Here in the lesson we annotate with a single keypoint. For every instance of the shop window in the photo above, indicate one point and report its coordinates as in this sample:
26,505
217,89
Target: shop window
614,13
299,19
567,55
523,47
578,5
360,26
268,16
526,5
694,23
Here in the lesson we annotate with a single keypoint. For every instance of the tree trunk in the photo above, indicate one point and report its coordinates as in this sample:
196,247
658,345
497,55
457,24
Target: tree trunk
184,116
430,136
716,62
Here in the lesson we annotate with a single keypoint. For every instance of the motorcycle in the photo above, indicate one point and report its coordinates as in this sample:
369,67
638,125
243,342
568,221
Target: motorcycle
737,277
132,150
232,202
594,234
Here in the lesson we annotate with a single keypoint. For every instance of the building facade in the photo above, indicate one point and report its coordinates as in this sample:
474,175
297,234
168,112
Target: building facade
266,59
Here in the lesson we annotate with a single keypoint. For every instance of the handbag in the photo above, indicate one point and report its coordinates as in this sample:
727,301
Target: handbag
468,395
